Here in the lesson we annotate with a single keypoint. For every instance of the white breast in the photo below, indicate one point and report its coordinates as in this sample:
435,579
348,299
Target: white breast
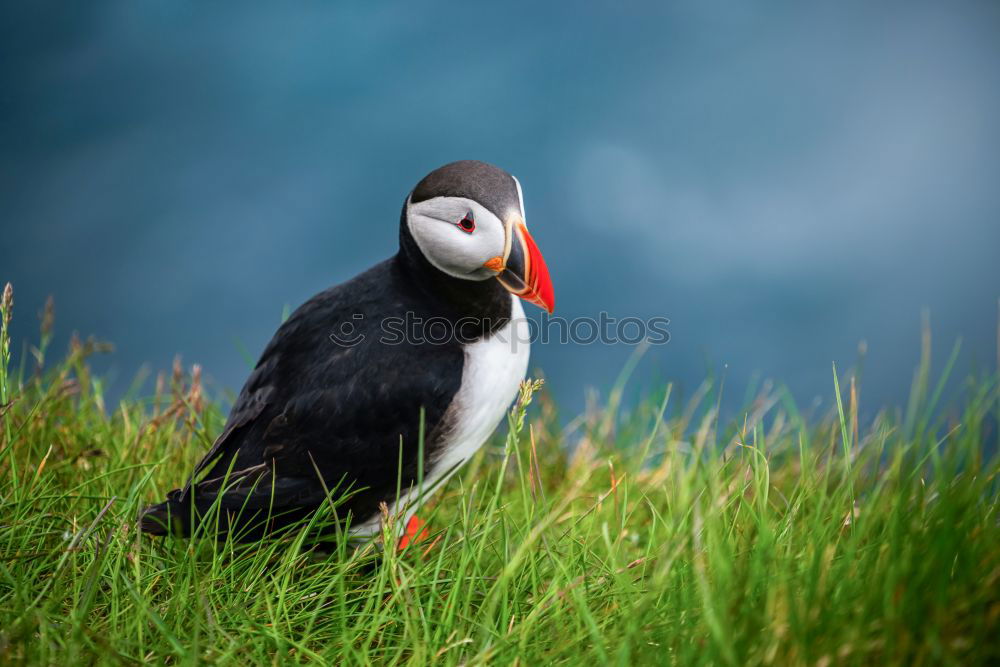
494,368
493,371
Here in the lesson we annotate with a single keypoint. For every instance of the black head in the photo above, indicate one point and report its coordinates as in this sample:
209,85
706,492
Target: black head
466,219
490,186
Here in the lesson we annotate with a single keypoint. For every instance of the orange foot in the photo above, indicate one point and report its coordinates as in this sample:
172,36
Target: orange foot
416,531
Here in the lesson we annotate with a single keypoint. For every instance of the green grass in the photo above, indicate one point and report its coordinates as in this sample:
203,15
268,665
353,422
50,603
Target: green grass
661,537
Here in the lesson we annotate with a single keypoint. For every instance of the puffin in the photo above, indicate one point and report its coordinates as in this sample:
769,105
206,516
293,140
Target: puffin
395,377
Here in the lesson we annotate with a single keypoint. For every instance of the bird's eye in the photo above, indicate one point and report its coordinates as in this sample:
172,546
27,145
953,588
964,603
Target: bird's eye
468,223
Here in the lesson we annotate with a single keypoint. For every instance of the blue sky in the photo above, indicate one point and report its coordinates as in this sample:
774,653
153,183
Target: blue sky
781,180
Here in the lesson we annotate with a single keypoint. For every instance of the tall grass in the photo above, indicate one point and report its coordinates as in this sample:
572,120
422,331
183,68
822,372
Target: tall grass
652,536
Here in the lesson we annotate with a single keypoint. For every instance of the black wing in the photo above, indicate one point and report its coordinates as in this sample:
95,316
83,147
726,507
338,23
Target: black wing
314,408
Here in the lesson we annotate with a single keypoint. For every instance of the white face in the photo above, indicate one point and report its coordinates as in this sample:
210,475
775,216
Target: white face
441,227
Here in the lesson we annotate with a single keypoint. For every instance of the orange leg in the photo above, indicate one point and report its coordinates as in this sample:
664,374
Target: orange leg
416,531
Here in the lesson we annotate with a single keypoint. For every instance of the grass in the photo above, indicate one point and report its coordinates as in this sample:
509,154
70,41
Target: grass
659,537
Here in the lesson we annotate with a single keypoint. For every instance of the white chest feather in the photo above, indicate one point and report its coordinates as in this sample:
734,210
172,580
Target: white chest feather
494,369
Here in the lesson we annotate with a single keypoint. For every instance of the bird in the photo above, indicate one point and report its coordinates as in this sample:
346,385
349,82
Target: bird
392,378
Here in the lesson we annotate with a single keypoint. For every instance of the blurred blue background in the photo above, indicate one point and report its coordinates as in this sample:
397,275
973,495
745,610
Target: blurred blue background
782,181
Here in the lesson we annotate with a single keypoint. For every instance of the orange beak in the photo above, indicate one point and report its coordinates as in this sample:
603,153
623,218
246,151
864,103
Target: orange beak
524,272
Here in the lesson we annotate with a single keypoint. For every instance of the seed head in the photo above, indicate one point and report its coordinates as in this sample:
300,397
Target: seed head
48,317
7,303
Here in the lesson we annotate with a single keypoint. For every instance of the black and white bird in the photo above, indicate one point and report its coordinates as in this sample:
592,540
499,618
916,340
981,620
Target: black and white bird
335,402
